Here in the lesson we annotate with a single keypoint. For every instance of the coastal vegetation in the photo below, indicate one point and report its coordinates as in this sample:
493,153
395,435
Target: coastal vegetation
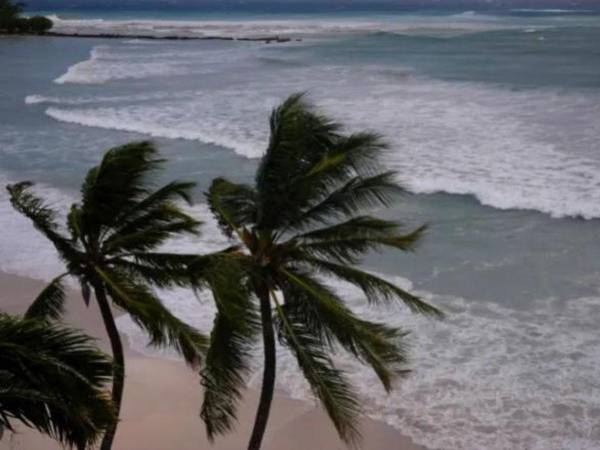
52,379
109,248
11,20
306,218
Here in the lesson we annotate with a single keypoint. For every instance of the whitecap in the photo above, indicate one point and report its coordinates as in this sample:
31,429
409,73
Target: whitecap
103,66
464,23
498,145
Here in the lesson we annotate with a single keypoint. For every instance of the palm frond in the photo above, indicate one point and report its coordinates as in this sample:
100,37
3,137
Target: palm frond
227,279
152,235
157,213
300,138
164,329
117,184
365,227
74,223
167,194
355,196
176,269
376,289
42,216
362,152
231,342
380,346
165,260
326,381
53,379
49,304
233,205
348,173
223,376
347,241
161,277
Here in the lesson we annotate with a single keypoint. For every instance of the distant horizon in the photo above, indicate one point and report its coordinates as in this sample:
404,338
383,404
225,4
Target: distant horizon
310,5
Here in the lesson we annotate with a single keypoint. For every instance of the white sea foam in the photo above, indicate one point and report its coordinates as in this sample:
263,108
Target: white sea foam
500,146
417,25
35,99
487,377
103,66
163,121
107,63
552,11
466,14
100,68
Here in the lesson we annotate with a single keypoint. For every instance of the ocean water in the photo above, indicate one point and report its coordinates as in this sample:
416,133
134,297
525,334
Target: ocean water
493,125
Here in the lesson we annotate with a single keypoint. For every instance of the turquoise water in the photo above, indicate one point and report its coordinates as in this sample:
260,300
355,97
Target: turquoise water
493,125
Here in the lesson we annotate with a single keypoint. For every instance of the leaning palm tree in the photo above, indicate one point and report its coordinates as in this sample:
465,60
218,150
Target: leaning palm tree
52,379
304,218
110,246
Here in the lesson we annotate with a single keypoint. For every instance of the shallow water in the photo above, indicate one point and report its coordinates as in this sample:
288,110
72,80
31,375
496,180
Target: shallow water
493,129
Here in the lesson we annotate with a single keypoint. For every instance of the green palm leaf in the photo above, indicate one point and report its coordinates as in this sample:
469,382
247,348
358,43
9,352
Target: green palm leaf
152,235
170,192
352,197
164,329
232,339
347,241
380,346
42,216
52,379
377,290
117,184
223,376
300,138
49,304
327,383
233,205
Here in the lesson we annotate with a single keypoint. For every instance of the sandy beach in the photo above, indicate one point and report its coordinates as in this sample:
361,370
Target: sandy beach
162,401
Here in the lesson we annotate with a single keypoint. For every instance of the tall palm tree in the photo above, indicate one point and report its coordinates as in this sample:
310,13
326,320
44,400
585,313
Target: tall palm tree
110,246
303,218
52,379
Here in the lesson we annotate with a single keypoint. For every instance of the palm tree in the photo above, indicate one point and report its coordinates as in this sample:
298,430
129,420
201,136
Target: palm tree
9,15
51,379
110,245
304,217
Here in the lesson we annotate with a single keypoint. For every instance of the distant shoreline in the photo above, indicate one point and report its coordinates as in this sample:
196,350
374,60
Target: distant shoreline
265,39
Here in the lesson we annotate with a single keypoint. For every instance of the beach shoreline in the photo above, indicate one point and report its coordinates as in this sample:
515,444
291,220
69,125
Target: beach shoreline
162,400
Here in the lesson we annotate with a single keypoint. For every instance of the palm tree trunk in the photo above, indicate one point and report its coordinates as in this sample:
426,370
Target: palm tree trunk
118,364
268,384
